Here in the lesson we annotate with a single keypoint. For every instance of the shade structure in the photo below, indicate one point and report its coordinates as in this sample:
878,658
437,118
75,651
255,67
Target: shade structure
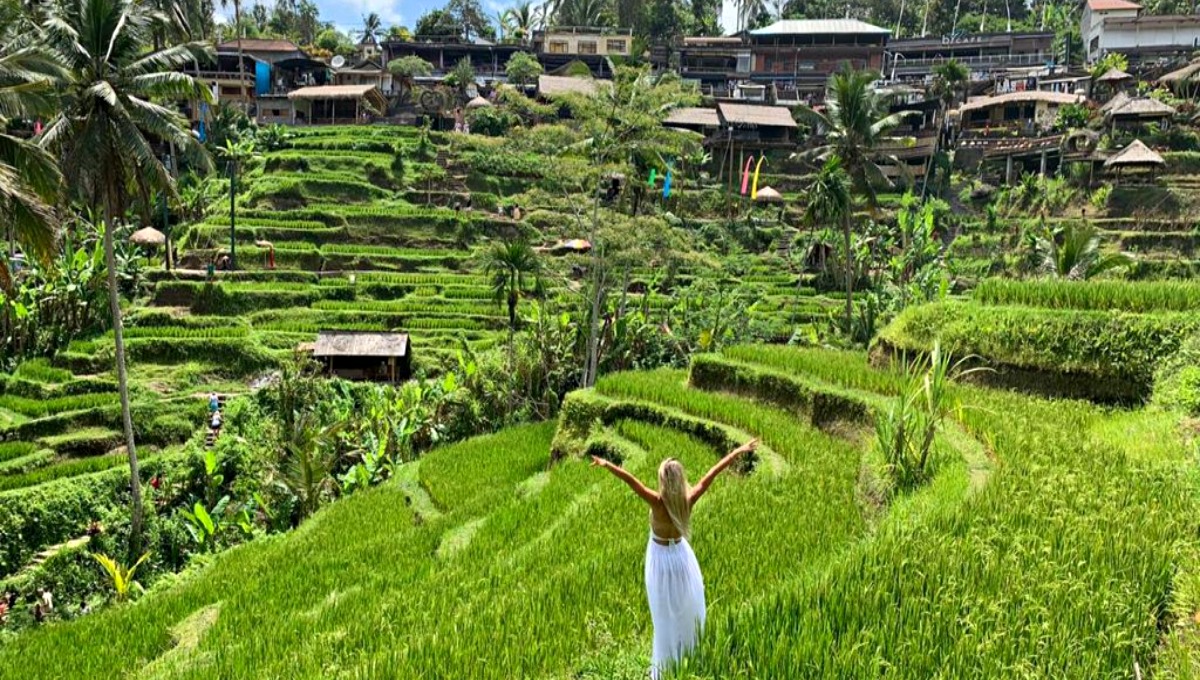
478,103
1114,75
768,195
148,236
1136,154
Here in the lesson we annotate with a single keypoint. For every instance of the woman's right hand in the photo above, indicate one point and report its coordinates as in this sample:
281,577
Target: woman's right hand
597,461
749,446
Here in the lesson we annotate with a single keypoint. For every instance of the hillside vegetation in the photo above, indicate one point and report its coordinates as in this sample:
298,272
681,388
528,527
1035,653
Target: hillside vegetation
510,565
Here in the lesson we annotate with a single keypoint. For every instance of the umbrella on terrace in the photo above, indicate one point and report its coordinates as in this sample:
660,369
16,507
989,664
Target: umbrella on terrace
478,103
149,237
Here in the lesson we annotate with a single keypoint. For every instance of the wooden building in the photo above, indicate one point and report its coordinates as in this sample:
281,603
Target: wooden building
364,355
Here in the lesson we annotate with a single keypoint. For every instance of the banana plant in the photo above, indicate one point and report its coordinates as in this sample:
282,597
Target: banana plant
203,525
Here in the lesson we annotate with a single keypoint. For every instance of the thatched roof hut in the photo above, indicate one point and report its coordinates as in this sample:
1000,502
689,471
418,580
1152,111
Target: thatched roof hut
478,103
1135,155
148,236
1114,75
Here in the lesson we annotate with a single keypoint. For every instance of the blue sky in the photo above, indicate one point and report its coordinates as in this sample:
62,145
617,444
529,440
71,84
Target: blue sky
347,14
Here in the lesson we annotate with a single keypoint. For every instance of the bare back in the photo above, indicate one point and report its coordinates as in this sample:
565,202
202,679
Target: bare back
660,521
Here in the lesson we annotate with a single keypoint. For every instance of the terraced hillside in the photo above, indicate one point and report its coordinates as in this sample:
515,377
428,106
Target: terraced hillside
1095,340
367,231
1048,543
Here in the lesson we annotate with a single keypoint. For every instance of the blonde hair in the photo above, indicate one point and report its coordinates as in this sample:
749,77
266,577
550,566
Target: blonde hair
674,490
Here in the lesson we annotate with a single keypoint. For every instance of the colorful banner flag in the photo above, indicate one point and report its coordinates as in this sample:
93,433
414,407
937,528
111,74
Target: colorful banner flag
37,127
653,174
667,185
754,188
746,176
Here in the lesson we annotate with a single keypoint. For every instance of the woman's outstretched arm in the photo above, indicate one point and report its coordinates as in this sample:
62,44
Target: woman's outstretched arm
707,479
622,474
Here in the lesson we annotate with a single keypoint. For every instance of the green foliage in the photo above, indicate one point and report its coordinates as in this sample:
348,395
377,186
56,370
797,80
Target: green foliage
1073,252
522,68
1072,117
493,121
1177,378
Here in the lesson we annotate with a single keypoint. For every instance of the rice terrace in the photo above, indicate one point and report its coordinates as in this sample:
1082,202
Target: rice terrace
368,351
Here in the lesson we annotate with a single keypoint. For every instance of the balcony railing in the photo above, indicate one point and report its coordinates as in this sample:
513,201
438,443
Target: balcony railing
901,62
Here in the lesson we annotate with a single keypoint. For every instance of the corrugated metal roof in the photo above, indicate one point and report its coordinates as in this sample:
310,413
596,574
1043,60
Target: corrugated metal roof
693,116
819,27
360,344
749,114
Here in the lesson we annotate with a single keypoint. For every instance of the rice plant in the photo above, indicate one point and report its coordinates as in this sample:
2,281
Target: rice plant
1130,296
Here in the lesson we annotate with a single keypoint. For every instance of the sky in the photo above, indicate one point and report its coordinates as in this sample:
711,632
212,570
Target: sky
347,14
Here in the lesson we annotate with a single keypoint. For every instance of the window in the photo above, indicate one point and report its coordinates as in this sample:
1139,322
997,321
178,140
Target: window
743,62
587,46
558,47
615,46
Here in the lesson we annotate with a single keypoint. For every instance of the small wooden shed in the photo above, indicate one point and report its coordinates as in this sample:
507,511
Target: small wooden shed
364,355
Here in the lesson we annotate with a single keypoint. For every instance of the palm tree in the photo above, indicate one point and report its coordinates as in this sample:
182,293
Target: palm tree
749,10
948,81
30,181
856,122
519,21
510,265
583,13
830,202
237,27
104,131
1073,252
372,27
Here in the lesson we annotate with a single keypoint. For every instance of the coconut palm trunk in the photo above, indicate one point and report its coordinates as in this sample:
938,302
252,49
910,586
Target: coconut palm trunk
114,302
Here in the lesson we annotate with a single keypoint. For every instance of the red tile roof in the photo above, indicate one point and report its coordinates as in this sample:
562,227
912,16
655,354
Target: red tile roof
1108,5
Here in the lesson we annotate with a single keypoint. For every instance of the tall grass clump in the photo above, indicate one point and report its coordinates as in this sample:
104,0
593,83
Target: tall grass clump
1129,296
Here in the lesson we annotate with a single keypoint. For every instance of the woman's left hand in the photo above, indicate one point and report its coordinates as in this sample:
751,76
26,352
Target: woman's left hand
597,461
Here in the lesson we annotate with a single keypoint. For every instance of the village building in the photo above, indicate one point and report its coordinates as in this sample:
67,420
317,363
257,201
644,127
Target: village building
445,52
1122,26
558,46
983,54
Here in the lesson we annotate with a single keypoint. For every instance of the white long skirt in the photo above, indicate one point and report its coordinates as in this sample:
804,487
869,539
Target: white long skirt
675,589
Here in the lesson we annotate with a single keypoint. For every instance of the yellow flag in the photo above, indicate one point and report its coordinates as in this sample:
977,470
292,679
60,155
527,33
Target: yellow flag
754,186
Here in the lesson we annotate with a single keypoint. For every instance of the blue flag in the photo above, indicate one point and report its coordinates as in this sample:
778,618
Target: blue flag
667,185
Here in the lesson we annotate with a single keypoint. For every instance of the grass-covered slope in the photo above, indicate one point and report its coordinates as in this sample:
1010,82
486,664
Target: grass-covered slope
1047,545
